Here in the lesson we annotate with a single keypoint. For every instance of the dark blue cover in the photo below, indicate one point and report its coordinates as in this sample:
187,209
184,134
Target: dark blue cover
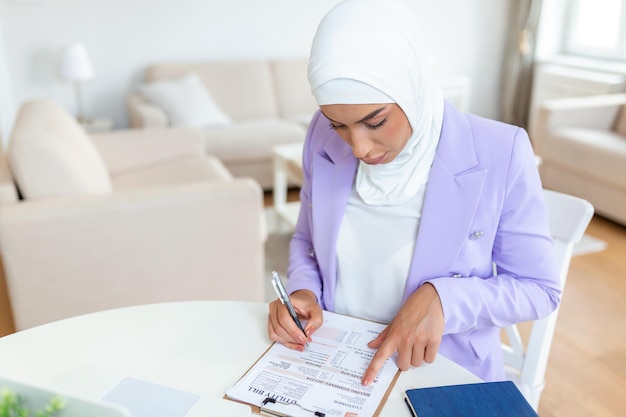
487,399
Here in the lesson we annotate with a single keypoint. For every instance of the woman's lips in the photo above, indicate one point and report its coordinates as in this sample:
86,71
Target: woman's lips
375,161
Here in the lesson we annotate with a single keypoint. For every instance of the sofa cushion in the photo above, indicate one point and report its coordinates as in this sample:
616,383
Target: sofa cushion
242,89
596,154
51,155
252,140
177,171
186,101
620,122
295,100
8,192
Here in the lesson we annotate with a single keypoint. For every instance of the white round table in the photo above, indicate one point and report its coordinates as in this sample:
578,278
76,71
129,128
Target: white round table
201,346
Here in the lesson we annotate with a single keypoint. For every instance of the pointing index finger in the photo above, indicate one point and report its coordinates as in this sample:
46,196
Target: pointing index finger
385,351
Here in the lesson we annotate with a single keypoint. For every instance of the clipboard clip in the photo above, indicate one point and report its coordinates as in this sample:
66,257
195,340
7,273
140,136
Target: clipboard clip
273,413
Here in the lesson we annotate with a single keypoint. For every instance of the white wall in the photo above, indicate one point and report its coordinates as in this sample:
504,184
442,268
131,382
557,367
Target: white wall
551,26
6,96
124,36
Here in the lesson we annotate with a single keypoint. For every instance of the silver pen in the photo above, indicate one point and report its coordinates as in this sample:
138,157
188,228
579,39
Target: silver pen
284,298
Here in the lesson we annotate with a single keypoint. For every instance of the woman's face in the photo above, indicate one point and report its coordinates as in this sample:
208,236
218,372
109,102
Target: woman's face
375,132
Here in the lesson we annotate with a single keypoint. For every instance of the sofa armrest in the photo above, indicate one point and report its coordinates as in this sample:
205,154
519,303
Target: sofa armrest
71,256
590,112
124,150
144,114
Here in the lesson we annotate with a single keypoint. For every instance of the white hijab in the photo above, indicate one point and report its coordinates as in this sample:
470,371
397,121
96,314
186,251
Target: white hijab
376,43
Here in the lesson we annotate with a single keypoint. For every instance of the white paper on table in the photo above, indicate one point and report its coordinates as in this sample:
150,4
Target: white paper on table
148,399
325,378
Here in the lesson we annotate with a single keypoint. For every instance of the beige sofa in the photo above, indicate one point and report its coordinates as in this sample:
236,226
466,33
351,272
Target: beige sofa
582,145
258,104
122,218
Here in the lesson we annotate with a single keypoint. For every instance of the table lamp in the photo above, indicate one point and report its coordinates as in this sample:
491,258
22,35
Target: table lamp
76,67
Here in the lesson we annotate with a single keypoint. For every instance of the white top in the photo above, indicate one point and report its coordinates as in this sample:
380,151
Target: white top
374,251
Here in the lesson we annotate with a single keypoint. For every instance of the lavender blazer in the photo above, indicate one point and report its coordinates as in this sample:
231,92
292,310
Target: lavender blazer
483,204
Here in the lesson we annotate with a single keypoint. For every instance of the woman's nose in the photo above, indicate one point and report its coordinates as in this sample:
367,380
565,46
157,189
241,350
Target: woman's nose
361,144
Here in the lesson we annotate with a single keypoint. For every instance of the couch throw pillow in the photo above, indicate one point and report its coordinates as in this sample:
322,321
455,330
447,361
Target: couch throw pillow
186,102
51,155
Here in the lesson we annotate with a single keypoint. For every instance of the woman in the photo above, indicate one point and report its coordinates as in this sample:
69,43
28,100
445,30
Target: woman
407,203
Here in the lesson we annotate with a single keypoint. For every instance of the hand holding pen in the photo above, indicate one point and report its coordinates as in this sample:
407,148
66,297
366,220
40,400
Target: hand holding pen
287,328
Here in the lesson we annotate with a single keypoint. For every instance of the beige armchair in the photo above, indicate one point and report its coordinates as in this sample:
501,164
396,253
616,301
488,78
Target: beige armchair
122,218
582,145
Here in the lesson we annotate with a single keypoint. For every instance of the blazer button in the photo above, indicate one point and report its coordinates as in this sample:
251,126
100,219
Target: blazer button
311,253
457,276
477,234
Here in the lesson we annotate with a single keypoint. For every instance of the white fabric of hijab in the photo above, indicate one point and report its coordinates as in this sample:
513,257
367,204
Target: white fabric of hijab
377,43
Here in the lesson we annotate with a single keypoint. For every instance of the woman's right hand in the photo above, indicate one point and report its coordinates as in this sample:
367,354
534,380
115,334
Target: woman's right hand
281,327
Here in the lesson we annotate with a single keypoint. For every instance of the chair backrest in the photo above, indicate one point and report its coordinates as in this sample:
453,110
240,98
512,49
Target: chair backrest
569,217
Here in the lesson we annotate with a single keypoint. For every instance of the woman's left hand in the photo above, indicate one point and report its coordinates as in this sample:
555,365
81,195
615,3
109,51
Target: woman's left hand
415,333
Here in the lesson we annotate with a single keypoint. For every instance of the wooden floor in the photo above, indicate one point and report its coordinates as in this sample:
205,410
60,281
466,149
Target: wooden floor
586,373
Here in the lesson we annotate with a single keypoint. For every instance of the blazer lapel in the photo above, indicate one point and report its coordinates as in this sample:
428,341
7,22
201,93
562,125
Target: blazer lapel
336,169
452,194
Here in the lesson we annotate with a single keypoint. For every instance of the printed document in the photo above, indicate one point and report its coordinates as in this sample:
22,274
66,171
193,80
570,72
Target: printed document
325,378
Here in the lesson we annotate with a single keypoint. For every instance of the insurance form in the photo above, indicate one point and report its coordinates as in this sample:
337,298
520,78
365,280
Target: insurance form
325,379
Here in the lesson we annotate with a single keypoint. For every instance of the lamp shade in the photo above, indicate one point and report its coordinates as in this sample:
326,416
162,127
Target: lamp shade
75,63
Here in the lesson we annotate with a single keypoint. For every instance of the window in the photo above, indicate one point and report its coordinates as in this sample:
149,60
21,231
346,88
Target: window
596,28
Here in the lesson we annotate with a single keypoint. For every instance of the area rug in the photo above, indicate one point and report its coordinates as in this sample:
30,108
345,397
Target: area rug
589,244
276,250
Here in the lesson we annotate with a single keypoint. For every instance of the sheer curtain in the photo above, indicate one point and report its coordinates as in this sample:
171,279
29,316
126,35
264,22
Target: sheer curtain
519,61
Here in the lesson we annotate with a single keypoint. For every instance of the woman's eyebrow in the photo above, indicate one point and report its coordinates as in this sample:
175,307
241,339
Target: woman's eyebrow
372,114
366,118
328,117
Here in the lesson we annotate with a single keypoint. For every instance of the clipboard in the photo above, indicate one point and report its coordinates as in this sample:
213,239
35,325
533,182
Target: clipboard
271,404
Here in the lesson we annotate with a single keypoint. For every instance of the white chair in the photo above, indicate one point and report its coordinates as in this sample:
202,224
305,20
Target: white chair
526,366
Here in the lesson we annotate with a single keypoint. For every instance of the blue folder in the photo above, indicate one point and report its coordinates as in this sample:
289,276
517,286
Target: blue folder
487,399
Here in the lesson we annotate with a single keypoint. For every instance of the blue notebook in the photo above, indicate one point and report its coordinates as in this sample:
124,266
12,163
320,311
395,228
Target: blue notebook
487,399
